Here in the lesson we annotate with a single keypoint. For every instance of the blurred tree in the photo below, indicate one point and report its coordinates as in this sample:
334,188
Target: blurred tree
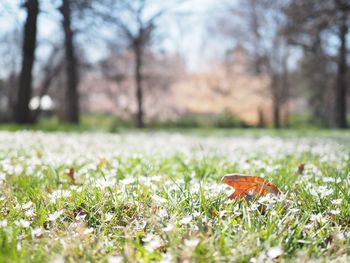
71,64
313,25
256,25
161,71
10,67
136,23
49,73
342,11
22,111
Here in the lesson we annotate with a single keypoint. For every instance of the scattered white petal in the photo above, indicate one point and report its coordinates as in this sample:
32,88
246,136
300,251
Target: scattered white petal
88,231
191,242
152,242
108,217
274,252
337,201
80,217
54,216
37,232
168,228
186,220
335,211
29,213
115,259
159,199
23,223
27,205
3,223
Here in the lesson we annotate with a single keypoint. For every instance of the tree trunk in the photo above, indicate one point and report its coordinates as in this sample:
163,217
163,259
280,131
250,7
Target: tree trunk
276,111
261,118
276,115
341,85
139,91
72,96
22,111
285,91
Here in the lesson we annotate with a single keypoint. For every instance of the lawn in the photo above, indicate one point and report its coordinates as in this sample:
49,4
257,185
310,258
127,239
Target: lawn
159,196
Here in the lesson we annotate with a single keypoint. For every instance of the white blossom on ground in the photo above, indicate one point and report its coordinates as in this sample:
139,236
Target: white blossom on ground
186,220
274,252
54,216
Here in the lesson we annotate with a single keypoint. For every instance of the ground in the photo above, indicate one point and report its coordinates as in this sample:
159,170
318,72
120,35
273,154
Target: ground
94,197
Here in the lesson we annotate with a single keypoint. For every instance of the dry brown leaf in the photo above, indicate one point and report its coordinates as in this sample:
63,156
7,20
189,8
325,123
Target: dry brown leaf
103,163
213,213
301,168
246,185
71,175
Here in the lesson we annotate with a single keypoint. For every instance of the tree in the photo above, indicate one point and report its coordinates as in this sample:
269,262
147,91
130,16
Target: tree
22,111
72,96
256,25
277,68
343,9
50,71
314,26
136,22
10,65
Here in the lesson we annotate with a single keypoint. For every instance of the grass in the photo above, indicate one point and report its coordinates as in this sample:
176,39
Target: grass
198,125
88,122
159,197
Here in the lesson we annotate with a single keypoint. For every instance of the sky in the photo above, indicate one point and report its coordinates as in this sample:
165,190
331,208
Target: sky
183,30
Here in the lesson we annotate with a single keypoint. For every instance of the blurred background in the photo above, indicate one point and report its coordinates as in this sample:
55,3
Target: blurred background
111,64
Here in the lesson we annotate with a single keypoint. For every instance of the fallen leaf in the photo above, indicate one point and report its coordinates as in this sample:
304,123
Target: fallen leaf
103,163
71,175
249,185
301,168
213,213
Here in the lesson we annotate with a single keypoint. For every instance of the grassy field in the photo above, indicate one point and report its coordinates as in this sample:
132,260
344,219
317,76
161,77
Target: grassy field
159,196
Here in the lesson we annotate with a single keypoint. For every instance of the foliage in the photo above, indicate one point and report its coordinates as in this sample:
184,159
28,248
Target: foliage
192,120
